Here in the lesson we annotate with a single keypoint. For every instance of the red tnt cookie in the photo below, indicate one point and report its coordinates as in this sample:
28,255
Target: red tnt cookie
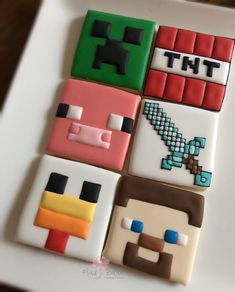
190,68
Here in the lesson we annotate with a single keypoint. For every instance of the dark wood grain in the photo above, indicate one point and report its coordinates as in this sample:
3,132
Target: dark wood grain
219,2
4,288
16,18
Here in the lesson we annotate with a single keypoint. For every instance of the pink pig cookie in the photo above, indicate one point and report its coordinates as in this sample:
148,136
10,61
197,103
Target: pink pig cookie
93,124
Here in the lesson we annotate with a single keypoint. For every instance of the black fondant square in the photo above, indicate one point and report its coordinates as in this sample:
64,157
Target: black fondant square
56,183
62,110
101,29
133,35
90,192
127,125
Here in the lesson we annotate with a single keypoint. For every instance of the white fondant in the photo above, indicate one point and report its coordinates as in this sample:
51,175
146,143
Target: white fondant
160,62
115,122
149,149
126,223
75,112
77,172
90,135
182,239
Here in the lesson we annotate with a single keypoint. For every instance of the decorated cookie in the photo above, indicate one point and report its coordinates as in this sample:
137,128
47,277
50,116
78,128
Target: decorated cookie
68,208
93,124
155,229
174,144
190,68
114,49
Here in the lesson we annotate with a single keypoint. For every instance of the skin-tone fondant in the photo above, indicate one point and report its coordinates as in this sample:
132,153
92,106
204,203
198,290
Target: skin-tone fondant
135,199
114,50
95,138
189,68
68,224
174,144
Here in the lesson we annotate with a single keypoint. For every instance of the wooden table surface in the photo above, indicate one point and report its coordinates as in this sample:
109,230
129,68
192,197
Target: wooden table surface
220,2
16,18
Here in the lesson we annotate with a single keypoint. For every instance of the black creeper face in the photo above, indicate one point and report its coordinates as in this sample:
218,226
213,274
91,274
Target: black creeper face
113,52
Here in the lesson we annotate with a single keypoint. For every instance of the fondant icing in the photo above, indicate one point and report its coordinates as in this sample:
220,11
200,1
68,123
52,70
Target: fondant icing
189,65
174,144
71,214
114,50
154,228
101,136
171,220
189,68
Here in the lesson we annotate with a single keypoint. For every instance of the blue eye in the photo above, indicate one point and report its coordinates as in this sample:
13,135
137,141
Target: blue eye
137,226
175,237
133,225
171,236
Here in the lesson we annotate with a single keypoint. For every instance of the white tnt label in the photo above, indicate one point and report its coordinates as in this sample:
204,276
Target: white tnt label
188,65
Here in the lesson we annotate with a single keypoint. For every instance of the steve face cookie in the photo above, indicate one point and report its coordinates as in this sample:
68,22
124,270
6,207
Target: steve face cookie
174,144
190,68
114,50
155,229
68,208
93,124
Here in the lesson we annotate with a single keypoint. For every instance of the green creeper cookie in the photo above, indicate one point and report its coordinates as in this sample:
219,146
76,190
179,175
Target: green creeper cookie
114,50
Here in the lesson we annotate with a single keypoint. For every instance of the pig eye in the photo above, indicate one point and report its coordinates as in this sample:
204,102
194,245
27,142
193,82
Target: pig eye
133,225
69,111
120,123
174,237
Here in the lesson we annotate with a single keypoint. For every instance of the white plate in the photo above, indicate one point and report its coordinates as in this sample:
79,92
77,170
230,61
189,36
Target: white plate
25,126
